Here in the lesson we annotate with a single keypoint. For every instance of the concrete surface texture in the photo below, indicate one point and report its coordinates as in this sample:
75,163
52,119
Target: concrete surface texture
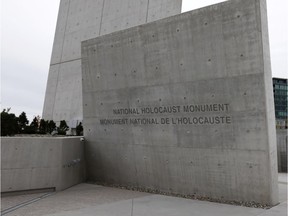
80,20
91,200
36,163
184,105
282,146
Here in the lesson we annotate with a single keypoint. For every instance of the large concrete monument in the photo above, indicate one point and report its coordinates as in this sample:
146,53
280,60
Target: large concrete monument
182,105
80,20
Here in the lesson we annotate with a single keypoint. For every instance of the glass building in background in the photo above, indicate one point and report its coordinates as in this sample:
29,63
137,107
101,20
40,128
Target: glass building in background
280,90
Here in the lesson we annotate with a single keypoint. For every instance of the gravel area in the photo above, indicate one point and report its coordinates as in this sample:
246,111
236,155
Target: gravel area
193,197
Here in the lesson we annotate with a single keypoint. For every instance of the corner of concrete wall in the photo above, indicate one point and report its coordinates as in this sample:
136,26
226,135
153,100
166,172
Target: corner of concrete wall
29,163
73,162
270,112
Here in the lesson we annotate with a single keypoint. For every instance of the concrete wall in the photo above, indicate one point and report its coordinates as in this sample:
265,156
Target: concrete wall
215,57
80,20
282,146
29,163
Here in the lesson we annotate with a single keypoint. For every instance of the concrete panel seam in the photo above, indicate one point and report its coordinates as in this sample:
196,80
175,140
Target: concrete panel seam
62,62
31,168
61,58
174,83
101,20
147,11
197,148
64,35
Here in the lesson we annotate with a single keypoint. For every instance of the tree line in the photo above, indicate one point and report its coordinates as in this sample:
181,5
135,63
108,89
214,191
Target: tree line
12,124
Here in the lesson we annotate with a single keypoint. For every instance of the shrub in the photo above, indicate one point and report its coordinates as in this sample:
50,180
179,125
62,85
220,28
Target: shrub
30,130
79,129
22,122
43,127
9,123
63,128
33,128
51,126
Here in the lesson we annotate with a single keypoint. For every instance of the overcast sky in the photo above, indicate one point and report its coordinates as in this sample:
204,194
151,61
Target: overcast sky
27,33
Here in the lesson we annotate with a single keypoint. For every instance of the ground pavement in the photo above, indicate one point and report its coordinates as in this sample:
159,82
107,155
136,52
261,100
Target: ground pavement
89,200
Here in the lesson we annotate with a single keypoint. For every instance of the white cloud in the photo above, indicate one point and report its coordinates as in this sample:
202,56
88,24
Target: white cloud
27,33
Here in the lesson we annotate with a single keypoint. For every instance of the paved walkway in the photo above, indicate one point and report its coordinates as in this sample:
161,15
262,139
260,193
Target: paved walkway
90,200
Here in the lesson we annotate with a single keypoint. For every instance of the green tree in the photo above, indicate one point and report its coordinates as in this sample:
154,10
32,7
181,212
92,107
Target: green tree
43,126
51,126
33,127
63,128
9,123
22,122
79,129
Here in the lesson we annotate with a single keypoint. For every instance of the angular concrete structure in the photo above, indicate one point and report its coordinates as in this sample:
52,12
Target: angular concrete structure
184,105
33,163
80,20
